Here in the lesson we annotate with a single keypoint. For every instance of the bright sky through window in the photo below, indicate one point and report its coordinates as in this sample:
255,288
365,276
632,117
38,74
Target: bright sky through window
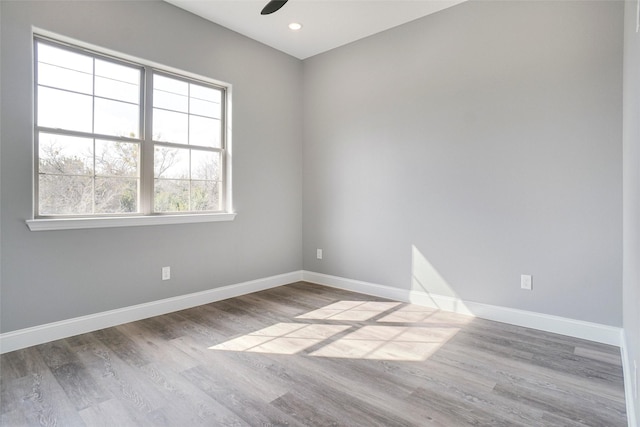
93,148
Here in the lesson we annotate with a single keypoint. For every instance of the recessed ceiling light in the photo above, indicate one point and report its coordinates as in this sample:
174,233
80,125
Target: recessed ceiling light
295,26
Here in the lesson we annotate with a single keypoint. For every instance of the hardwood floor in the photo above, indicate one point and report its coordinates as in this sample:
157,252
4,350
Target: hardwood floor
308,355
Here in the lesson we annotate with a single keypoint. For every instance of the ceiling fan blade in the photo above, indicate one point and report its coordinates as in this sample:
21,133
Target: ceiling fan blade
273,6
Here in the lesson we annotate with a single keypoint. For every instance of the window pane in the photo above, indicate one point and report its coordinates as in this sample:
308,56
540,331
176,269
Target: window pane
65,155
65,195
204,131
116,118
205,93
205,101
115,89
116,195
170,101
205,195
171,163
64,58
170,127
204,108
59,109
118,72
114,158
205,165
64,78
171,195
168,84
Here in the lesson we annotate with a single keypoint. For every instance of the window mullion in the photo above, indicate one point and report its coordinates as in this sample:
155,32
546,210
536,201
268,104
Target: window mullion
81,134
93,131
146,161
189,142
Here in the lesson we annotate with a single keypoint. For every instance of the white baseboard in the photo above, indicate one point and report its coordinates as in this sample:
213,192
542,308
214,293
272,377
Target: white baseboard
544,322
27,337
628,371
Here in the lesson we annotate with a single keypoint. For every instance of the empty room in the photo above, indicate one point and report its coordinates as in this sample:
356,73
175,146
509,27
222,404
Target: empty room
319,213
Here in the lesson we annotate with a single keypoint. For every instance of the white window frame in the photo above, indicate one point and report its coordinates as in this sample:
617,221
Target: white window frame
145,216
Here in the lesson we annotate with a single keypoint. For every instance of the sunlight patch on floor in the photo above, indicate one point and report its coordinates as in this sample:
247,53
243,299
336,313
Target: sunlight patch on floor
374,330
388,343
350,310
282,338
409,314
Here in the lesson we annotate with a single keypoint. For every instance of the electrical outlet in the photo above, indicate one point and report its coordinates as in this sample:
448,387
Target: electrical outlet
319,253
526,282
166,273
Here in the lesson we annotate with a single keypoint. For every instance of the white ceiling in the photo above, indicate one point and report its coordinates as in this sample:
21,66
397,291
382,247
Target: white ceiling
327,24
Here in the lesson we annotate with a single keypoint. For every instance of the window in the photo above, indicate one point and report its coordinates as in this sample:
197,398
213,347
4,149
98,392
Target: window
120,138
187,131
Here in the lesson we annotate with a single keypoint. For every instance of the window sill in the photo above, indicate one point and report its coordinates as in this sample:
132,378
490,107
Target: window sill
132,221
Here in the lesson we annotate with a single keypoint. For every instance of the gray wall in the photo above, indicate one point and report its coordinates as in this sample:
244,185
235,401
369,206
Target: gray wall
51,276
478,143
631,304
456,152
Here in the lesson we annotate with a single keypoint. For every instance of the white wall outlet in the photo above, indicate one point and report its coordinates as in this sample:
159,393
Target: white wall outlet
319,253
526,282
166,273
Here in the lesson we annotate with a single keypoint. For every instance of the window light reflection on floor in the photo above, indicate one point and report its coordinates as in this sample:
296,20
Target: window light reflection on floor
388,343
374,330
282,338
350,310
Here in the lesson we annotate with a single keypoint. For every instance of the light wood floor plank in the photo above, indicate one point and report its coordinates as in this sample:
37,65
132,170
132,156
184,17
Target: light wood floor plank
309,355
